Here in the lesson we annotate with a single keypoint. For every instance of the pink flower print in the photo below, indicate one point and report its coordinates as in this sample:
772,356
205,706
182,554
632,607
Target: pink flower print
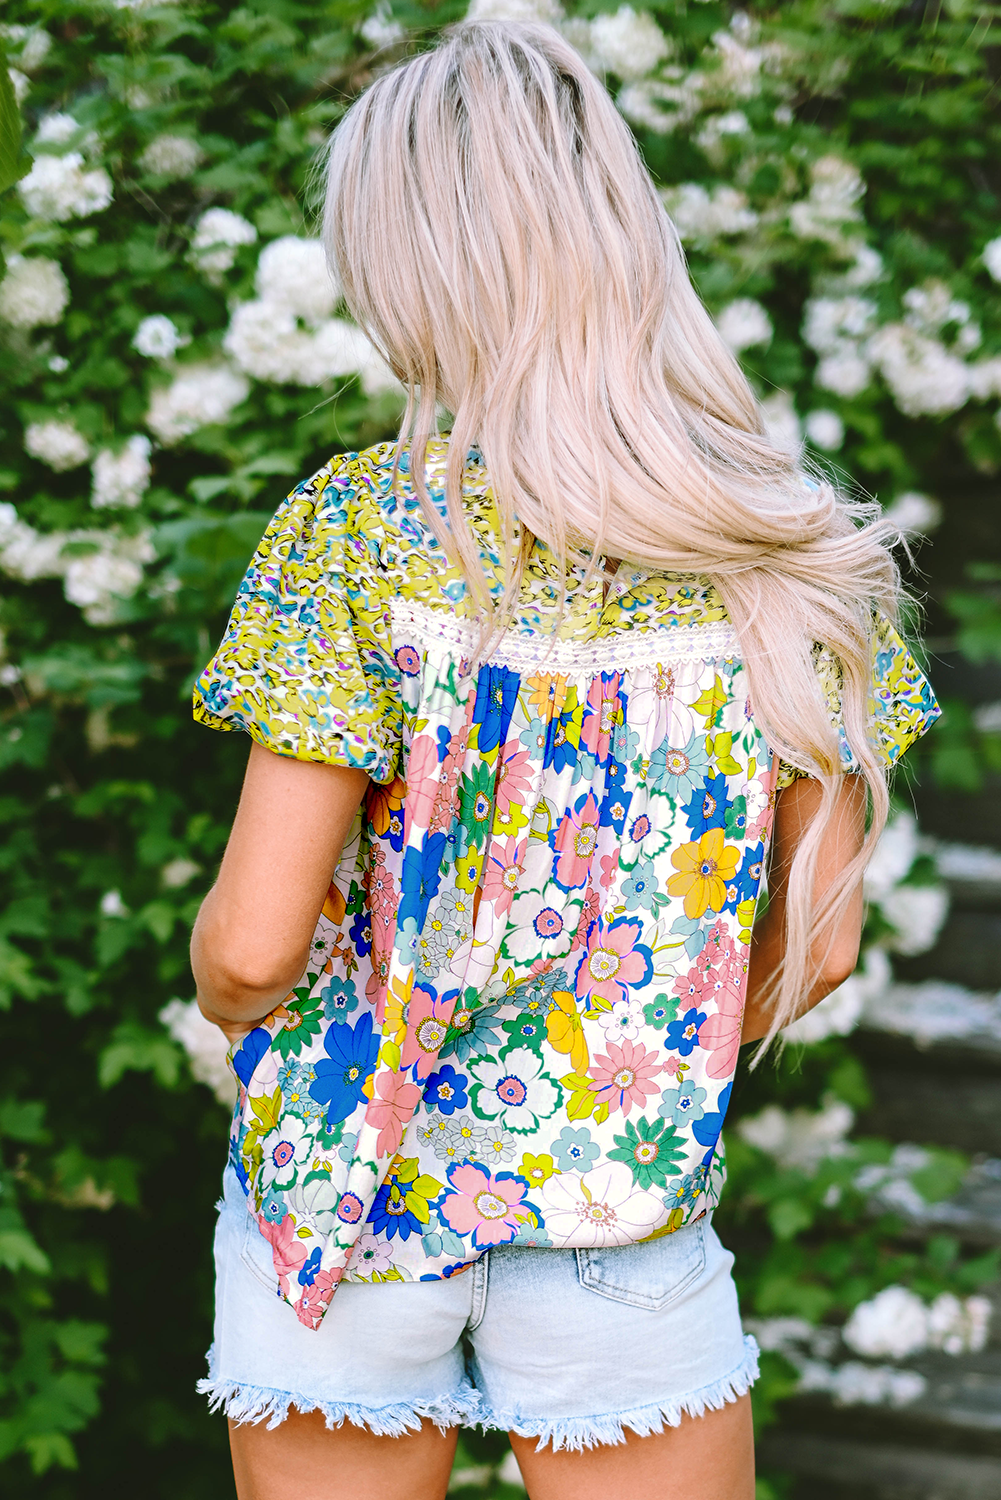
382,897
613,962
575,842
601,714
623,1076
422,783
689,986
502,873
390,1109
488,1207
588,917
287,1251
317,1298
609,870
514,777
427,1026
408,661
720,1035
350,1208
639,828
371,1254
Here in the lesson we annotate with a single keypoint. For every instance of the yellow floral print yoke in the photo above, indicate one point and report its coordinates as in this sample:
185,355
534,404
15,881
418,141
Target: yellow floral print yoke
521,1014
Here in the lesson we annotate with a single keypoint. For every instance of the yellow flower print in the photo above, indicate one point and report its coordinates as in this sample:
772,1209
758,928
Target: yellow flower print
565,1031
538,1169
548,694
704,871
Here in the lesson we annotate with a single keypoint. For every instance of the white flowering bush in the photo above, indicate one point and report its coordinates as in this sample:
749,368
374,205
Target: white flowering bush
174,357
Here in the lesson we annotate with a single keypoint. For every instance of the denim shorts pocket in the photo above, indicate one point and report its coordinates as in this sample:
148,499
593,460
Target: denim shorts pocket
256,1255
648,1275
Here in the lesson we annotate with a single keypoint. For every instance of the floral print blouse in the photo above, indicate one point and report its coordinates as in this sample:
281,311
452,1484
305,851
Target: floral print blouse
520,1018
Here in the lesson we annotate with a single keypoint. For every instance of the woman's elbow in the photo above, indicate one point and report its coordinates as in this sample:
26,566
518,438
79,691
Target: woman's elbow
840,962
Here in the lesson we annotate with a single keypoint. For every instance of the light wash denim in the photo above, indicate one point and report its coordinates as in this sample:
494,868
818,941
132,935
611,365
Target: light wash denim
569,1346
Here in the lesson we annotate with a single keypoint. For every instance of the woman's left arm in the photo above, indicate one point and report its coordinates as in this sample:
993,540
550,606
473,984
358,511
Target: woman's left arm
834,951
251,940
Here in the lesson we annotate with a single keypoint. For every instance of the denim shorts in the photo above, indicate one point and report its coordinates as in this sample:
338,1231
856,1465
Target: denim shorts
569,1346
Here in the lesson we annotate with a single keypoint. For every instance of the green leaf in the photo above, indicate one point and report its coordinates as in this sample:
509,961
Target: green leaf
19,1251
10,129
23,1121
137,1048
788,1216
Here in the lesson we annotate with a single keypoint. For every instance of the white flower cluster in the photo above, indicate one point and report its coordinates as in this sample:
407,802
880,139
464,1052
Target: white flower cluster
916,912
744,324
835,327
95,580
831,207
701,214
158,337
782,422
61,185
800,1137
889,1185
934,1011
218,235
198,395
628,43
121,479
896,1323
915,514
825,429
57,444
287,335
171,156
34,292
204,1045
549,12
991,257
27,46
809,1348
380,30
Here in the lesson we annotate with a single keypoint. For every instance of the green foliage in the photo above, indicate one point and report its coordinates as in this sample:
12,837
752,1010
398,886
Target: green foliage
111,1153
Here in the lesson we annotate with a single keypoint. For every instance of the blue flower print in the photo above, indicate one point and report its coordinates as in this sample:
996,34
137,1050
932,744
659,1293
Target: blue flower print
640,890
683,1034
537,1237
339,998
391,1216
682,1104
309,1271
340,1082
420,878
273,1207
682,1191
574,1151
471,1034
561,744
445,1090
677,772
707,1130
361,933
408,939
496,696
348,1146
708,807
249,1053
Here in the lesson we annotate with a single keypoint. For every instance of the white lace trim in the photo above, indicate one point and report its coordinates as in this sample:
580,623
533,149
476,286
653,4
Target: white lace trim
430,630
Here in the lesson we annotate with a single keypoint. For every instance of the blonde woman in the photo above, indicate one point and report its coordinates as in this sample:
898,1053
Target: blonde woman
546,695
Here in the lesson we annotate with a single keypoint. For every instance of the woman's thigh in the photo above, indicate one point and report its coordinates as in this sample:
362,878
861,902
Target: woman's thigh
704,1458
303,1459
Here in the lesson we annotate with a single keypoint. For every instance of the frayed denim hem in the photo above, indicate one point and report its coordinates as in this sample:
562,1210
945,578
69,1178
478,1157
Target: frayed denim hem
256,1403
577,1433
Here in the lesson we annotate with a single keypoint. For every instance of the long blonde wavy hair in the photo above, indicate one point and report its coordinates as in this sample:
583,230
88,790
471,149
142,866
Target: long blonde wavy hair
499,239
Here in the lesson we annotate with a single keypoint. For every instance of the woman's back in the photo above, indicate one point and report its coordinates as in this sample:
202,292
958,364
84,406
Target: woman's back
538,934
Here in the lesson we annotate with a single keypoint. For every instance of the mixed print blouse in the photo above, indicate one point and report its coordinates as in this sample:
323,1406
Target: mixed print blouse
520,1018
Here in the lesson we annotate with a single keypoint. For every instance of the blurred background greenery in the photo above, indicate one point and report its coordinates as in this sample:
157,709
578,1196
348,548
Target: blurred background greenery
172,363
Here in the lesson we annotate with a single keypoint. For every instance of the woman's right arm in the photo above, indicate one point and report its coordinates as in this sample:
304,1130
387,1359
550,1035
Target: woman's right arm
835,952
251,940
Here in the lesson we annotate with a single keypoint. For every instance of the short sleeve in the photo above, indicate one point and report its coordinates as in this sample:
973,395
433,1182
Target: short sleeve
306,666
902,706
